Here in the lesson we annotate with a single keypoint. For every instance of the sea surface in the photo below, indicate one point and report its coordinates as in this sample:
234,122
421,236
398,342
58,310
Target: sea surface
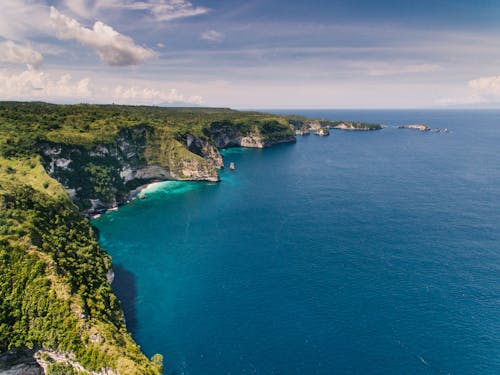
358,253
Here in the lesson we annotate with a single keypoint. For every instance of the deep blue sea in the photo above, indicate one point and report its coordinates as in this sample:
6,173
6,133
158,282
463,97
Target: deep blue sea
358,253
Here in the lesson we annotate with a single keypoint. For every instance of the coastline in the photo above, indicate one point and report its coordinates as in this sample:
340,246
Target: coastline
129,197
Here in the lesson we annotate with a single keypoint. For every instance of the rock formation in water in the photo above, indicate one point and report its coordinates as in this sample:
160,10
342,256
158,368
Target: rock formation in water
421,127
322,132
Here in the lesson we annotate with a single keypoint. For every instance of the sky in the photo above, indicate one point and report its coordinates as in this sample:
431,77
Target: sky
253,54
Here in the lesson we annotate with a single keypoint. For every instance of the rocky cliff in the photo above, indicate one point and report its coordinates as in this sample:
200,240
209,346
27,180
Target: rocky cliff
233,134
304,125
100,176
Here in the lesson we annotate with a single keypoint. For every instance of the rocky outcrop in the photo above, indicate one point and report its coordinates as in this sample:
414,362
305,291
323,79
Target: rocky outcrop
20,362
421,127
204,149
354,126
48,359
303,126
228,134
148,172
302,132
99,177
323,132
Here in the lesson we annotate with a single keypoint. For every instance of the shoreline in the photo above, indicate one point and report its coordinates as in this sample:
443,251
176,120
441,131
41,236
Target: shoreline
129,197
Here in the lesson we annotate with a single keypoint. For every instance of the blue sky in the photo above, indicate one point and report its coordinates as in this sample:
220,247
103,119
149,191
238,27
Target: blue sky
253,54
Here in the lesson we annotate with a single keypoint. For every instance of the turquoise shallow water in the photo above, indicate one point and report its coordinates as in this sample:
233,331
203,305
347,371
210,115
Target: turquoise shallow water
370,252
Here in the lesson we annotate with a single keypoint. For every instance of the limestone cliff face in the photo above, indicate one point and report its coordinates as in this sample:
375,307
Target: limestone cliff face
304,126
227,134
204,149
100,176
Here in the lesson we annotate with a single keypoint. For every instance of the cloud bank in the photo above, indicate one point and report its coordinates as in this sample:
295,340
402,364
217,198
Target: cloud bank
148,95
21,19
112,47
32,84
13,53
486,86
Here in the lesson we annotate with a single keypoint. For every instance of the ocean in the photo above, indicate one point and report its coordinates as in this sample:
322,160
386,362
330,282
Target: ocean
358,253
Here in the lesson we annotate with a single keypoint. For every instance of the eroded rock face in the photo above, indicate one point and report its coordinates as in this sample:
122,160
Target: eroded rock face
100,177
313,126
253,140
323,132
420,127
194,170
20,362
225,134
110,276
204,149
148,172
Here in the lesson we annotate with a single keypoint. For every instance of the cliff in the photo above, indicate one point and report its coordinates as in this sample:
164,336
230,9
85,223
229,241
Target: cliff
99,175
265,133
303,125
58,313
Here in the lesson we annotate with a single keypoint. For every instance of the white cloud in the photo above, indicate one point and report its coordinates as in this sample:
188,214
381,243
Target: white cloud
20,19
167,10
152,96
160,10
479,92
49,49
13,53
212,36
112,47
83,8
486,86
34,84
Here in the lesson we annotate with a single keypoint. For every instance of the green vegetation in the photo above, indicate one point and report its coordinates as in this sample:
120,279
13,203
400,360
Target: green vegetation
24,125
53,288
97,142
61,369
299,122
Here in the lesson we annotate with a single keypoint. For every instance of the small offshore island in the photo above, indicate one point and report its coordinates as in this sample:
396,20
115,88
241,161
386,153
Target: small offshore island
58,313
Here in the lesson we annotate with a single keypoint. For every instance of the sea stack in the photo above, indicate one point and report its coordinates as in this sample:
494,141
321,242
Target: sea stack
231,166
